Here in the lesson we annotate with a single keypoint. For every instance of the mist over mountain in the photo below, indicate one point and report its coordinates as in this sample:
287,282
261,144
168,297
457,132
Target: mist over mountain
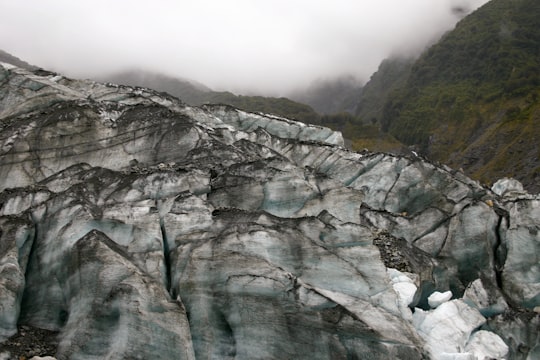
245,47
331,96
194,93
188,90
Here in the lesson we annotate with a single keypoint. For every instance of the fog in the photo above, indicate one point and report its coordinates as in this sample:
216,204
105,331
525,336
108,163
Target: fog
247,46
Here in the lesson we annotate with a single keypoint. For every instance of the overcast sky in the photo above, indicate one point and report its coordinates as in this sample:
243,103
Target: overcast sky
268,46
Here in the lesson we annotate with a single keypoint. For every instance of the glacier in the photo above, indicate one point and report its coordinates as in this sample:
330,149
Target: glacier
139,227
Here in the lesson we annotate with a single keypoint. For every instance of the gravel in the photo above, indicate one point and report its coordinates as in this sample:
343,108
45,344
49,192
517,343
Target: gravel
29,342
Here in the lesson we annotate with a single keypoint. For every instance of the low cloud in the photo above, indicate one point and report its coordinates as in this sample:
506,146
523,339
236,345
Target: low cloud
241,45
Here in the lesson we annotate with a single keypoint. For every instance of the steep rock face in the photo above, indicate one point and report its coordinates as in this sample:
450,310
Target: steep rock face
139,227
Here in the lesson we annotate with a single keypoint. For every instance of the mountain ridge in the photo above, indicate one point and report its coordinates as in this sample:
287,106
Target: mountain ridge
199,94
10,59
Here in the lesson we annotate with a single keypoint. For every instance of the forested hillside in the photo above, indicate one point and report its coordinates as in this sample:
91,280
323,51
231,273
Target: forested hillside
392,74
331,96
472,99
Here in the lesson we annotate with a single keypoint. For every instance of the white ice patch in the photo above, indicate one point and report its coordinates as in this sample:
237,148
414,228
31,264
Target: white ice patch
438,298
161,101
508,187
7,66
56,78
110,116
336,139
447,328
404,285
21,132
486,345
457,356
311,298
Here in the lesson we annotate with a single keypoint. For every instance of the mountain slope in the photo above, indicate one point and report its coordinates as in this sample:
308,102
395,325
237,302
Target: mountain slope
198,94
391,75
187,90
10,59
331,96
472,100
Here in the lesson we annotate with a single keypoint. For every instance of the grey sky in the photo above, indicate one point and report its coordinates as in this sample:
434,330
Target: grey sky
271,46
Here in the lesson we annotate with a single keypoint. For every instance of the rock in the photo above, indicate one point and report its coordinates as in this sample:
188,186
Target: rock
29,342
438,298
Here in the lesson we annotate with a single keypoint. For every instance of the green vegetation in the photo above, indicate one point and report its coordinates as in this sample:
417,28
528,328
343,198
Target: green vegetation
361,136
331,96
391,75
471,100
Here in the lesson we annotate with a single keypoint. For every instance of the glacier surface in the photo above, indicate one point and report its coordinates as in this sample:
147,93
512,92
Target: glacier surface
139,227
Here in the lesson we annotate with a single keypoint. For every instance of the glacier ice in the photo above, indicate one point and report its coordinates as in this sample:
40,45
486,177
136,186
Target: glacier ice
140,227
447,328
508,187
438,298
485,345
489,301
